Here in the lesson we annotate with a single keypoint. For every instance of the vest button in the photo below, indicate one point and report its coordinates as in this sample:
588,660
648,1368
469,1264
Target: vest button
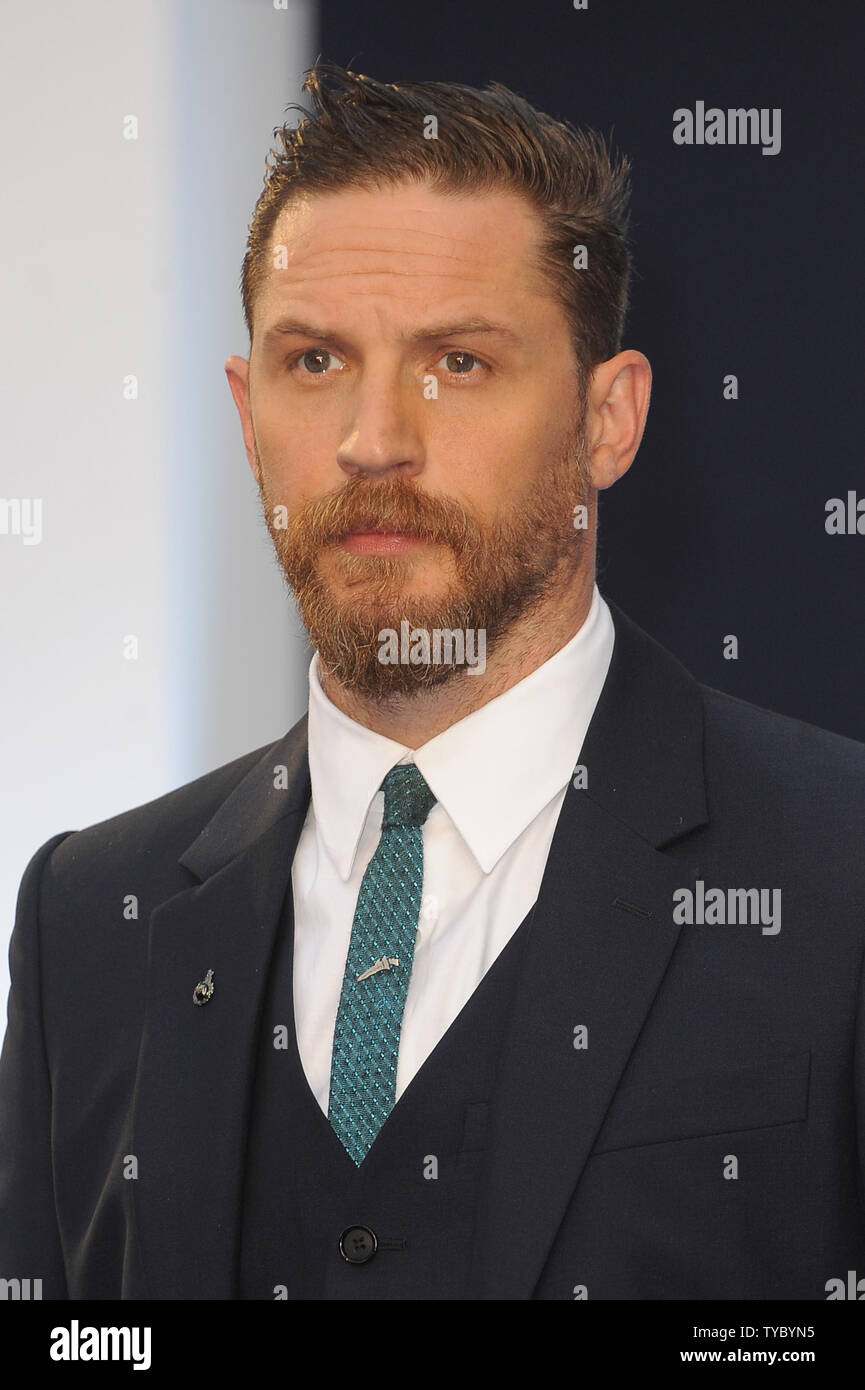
357,1244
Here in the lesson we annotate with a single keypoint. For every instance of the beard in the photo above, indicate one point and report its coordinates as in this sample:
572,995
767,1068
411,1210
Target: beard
500,571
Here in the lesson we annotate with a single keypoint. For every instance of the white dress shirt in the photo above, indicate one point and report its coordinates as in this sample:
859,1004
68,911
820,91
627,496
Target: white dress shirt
499,777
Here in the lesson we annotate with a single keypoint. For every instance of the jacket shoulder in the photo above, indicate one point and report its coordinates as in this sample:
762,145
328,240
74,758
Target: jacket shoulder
156,829
787,758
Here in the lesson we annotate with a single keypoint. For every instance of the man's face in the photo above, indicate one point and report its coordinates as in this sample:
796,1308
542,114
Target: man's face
412,409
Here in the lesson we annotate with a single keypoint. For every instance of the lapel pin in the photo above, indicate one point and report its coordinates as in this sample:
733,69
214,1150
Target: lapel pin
203,991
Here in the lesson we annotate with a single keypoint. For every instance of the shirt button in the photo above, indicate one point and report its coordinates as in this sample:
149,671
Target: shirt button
357,1244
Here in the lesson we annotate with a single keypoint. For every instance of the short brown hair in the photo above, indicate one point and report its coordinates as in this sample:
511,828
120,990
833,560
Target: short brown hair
368,134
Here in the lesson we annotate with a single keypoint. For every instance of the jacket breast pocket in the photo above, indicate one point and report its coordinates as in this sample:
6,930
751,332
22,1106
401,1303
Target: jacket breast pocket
700,1104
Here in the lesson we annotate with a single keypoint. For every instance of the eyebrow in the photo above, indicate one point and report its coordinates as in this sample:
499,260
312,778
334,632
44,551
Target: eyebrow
291,326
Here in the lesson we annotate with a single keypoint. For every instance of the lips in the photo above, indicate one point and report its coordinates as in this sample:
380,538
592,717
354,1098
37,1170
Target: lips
370,541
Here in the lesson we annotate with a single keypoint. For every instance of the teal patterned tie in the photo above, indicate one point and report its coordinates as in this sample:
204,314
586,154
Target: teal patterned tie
380,952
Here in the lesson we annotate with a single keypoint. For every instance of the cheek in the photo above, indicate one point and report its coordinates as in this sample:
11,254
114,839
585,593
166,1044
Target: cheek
293,460
502,467
475,458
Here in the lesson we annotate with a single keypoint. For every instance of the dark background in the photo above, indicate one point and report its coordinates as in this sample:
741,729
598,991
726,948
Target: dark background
745,263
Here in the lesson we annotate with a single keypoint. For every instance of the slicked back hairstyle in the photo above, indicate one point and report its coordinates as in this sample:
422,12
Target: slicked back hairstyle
367,134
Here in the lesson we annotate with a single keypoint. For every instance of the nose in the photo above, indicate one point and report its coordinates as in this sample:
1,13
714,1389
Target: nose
383,436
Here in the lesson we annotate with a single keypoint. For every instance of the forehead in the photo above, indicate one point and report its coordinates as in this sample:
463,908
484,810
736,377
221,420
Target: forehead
403,249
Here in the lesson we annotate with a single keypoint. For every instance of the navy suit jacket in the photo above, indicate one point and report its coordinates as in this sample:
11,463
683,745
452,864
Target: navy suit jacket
680,1107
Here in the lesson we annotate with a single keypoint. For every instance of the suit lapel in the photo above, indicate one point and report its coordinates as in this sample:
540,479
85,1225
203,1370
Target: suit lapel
196,1064
600,940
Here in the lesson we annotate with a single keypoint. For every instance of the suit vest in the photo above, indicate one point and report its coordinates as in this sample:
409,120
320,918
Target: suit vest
316,1226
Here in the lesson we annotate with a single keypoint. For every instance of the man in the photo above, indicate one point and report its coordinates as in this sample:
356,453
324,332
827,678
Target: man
524,966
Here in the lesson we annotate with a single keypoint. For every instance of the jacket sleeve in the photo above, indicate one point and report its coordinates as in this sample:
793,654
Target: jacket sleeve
30,1246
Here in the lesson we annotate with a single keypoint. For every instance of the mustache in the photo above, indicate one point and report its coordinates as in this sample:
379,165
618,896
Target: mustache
391,504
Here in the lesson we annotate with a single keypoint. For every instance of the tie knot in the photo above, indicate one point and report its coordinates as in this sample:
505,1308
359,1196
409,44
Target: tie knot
407,798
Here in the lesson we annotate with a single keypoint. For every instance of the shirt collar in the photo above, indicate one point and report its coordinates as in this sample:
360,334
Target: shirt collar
492,772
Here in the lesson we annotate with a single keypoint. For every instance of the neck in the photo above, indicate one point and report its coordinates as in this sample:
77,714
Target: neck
414,719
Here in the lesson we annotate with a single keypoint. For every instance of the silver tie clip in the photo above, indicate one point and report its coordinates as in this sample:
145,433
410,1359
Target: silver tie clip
384,963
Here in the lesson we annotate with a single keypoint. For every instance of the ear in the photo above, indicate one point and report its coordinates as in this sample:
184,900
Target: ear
618,405
237,371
